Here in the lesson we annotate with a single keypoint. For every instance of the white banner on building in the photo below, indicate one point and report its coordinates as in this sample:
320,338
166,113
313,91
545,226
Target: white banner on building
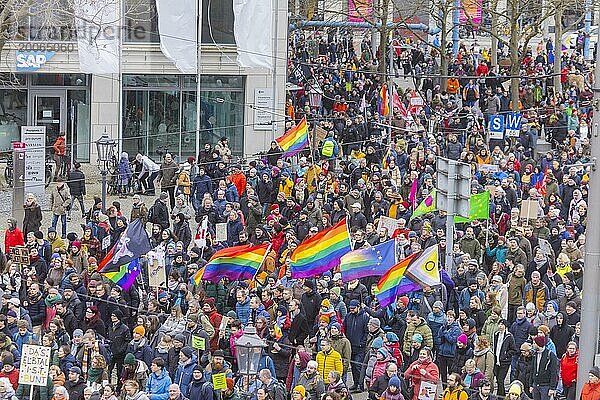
178,29
253,30
263,103
98,35
34,138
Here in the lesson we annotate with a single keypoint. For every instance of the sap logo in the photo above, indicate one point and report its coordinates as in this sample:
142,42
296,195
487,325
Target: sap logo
32,60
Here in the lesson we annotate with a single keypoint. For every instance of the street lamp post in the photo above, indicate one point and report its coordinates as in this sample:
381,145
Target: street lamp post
105,147
248,350
315,96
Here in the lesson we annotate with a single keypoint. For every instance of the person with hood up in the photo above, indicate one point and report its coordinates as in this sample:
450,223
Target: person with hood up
199,388
549,314
568,371
157,386
424,369
13,236
124,175
561,334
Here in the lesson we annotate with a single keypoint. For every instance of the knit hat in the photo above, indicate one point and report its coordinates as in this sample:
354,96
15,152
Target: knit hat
300,389
375,322
211,302
325,303
117,313
462,338
309,284
515,388
11,313
77,333
439,305
230,383
540,340
383,352
544,329
325,318
140,330
179,338
198,368
129,359
394,381
337,326
75,370
417,337
337,290
354,303
404,300
391,337
377,343
8,359
187,351
595,371
77,244
38,235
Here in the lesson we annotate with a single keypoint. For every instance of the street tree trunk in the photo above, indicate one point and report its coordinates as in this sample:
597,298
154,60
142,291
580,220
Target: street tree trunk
557,48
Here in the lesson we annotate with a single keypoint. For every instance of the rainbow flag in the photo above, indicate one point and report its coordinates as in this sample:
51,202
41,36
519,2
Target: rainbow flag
372,261
235,263
197,277
384,106
125,276
391,280
294,140
321,252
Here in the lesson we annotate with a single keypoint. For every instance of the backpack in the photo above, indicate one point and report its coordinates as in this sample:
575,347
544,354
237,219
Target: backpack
328,148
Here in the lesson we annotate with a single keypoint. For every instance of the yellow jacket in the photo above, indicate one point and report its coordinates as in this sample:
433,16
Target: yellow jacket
457,394
327,362
311,175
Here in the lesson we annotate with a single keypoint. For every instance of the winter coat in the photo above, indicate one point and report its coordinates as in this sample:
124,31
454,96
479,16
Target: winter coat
547,373
242,311
342,345
330,361
33,219
537,295
141,350
355,328
76,183
202,184
507,350
472,380
484,361
520,331
311,302
413,372
445,340
168,174
568,369
200,390
60,199
159,214
183,374
119,336
13,238
423,329
158,386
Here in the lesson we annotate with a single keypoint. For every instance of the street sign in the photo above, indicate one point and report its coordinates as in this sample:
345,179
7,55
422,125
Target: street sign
497,127
453,182
34,138
513,124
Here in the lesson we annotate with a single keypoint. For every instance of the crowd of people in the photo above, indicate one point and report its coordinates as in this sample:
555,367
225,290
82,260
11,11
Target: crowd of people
507,323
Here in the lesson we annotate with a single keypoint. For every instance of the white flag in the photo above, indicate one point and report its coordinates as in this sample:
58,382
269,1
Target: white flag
178,30
98,31
253,30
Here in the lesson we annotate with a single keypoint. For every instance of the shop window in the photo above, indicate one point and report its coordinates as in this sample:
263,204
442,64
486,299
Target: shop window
217,22
13,115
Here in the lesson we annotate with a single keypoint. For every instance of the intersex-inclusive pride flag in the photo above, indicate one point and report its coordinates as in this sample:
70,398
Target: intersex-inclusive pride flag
294,140
370,261
235,263
414,272
321,252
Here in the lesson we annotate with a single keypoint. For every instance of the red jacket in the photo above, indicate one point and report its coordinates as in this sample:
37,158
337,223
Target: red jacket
568,369
12,239
13,377
215,320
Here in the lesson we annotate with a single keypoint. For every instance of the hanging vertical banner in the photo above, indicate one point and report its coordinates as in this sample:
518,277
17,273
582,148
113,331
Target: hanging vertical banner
34,138
98,35
470,11
253,30
359,10
178,30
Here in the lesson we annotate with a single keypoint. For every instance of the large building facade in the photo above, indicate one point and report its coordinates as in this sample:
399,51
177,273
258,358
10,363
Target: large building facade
150,107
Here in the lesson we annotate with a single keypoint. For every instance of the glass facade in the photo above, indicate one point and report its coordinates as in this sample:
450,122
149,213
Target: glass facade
61,102
141,21
159,113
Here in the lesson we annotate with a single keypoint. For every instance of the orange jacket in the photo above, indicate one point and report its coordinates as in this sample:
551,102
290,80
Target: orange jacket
59,146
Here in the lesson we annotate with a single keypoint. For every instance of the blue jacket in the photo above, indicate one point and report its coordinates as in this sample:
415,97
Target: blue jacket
158,386
445,340
242,311
183,374
233,231
27,338
143,352
202,184
355,327
266,362
435,322
520,331
67,362
231,193
465,297
200,390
